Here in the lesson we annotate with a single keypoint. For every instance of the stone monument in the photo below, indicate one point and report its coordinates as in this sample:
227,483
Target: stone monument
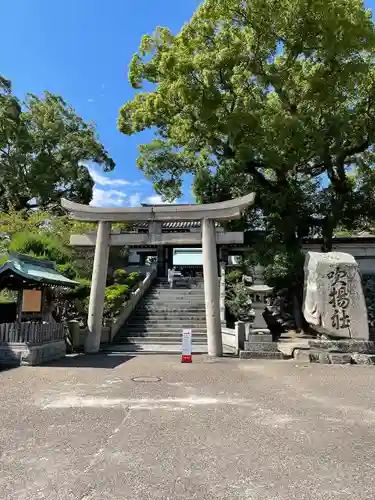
334,304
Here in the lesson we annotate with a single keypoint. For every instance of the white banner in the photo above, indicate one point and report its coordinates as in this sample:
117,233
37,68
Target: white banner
186,346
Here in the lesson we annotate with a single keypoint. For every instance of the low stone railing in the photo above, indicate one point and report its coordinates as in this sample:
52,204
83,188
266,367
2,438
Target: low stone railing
234,339
132,303
31,343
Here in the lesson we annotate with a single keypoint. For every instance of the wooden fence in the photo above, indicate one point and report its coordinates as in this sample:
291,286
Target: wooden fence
34,333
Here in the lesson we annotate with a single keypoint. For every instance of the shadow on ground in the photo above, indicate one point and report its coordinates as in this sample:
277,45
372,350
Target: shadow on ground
4,368
101,360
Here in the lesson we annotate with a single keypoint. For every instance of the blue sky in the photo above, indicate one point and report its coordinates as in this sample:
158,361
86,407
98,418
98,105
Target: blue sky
81,49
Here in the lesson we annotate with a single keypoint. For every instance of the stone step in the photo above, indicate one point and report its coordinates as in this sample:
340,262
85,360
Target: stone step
160,340
261,346
161,329
178,323
173,314
166,293
167,327
174,298
172,305
175,321
179,291
170,312
163,334
144,348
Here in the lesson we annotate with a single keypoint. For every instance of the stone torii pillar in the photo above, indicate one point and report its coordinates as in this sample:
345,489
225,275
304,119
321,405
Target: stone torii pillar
99,278
211,288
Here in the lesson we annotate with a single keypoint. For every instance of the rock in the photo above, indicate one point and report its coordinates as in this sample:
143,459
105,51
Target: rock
363,359
340,358
261,346
319,357
334,303
347,346
260,337
301,355
260,355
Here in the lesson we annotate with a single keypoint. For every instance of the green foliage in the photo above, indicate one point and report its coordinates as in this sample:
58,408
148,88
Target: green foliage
7,297
285,271
234,276
81,291
240,99
115,297
120,276
238,301
44,145
69,270
133,279
43,246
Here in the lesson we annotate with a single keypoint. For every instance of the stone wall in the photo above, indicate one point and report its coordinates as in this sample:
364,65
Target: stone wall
17,353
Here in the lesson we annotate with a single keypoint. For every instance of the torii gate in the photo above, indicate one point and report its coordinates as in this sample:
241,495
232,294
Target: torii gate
206,213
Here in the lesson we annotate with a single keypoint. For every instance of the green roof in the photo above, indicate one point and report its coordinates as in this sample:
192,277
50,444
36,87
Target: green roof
32,272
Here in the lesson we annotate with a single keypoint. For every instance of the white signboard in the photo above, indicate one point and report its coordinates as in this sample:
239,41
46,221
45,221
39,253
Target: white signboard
186,346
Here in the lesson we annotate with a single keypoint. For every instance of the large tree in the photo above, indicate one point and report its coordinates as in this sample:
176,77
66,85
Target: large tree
43,144
271,95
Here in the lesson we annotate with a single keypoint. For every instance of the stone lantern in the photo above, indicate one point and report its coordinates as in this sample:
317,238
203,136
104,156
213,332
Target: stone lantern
260,292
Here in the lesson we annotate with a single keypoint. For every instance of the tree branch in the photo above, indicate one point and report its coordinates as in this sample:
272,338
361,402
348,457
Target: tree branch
358,148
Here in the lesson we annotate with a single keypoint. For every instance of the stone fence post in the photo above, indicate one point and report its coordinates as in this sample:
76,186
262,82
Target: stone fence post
239,328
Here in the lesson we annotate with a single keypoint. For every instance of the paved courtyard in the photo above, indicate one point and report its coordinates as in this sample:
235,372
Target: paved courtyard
82,429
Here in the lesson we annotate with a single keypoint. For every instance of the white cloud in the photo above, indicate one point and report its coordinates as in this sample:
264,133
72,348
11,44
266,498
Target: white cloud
102,180
156,200
90,100
135,200
108,198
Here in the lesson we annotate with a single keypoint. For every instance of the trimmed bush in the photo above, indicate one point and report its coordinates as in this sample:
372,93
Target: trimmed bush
234,276
120,276
115,296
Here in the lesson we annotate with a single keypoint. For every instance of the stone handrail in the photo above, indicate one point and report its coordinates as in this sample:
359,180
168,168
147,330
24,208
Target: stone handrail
222,295
132,303
234,339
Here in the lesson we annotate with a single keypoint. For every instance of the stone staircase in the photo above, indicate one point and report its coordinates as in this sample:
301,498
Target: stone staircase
157,323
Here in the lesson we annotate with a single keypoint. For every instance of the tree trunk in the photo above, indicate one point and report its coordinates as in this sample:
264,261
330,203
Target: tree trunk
297,313
327,237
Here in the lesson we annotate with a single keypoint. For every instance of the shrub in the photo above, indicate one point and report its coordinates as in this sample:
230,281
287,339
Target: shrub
133,279
234,276
120,276
43,246
238,301
67,270
115,296
82,291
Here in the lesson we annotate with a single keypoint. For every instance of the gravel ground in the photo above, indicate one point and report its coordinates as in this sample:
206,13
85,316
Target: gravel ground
82,429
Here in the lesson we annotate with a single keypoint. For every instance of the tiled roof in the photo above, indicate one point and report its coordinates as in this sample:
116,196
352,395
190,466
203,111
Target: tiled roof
32,270
171,225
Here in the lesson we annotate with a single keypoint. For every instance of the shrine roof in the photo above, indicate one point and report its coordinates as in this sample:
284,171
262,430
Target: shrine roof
28,271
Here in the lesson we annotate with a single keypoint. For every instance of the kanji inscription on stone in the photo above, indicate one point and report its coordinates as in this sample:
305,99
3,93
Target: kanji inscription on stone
339,298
